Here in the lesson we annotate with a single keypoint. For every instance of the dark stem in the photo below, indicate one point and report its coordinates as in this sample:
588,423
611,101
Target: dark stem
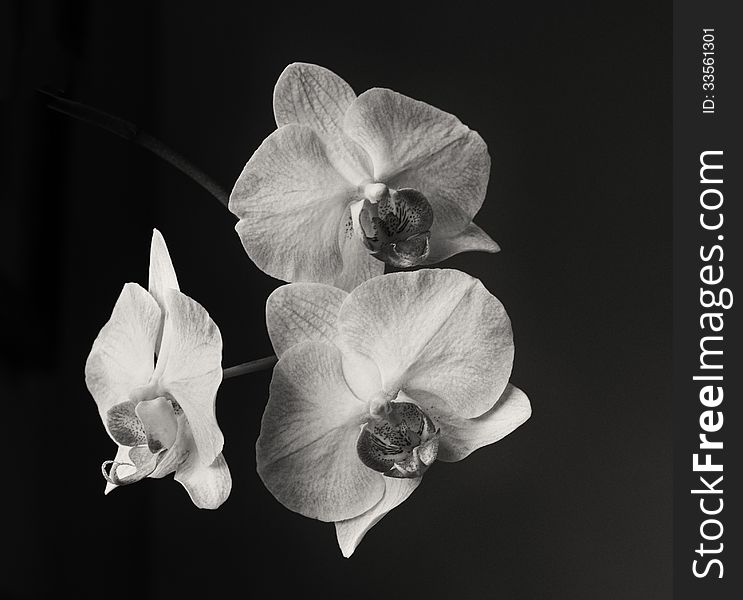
130,131
250,367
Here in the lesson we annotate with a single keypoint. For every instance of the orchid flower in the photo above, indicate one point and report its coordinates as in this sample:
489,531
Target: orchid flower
347,184
372,386
161,415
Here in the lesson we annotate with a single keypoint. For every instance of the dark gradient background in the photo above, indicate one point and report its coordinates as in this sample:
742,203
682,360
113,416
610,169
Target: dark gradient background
574,101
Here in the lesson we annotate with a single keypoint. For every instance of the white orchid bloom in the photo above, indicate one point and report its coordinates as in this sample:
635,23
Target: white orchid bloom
372,386
348,183
161,414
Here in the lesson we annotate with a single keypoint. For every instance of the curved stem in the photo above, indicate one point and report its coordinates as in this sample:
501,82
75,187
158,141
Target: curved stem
130,131
250,367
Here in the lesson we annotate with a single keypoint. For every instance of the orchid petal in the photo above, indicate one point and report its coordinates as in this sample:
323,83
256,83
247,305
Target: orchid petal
306,451
208,486
122,355
471,239
311,95
351,531
414,145
190,369
362,375
460,437
349,159
435,330
302,312
314,96
291,202
162,273
159,421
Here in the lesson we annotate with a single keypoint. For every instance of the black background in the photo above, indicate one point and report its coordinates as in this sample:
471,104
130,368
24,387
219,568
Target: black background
574,102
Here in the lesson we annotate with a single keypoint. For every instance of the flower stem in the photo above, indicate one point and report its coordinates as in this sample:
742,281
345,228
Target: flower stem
250,367
130,131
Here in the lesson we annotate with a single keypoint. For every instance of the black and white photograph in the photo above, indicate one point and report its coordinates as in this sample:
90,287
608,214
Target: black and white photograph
371,300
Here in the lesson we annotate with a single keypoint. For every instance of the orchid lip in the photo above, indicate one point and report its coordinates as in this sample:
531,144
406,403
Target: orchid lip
395,225
399,440
141,471
148,428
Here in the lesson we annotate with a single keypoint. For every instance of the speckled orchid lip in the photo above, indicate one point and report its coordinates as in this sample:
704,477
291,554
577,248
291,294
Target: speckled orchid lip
150,429
399,440
395,225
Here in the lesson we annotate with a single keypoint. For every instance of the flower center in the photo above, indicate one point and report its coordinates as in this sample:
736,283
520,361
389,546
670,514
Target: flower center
399,440
395,224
